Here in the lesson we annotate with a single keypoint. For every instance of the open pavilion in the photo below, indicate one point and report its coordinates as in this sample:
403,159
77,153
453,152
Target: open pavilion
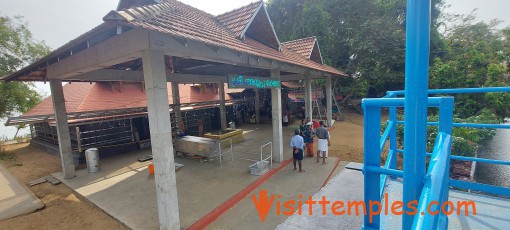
155,42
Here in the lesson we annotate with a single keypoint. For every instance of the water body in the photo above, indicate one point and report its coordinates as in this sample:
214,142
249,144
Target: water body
499,149
7,132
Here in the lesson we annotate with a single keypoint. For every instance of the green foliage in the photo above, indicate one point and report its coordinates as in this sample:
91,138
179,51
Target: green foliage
17,49
465,140
364,38
477,56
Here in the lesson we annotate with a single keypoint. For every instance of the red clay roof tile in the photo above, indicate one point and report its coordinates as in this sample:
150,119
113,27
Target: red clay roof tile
178,19
98,96
303,46
237,20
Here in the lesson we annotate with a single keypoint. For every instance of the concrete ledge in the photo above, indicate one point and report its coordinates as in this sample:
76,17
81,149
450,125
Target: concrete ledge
15,198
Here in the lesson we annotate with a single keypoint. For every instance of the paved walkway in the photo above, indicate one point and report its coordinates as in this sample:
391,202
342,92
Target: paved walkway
15,198
344,187
491,212
124,189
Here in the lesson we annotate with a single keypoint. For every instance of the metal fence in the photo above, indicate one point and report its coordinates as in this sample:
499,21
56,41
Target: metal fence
435,184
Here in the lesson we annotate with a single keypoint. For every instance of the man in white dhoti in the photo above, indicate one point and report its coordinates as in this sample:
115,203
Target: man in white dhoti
322,134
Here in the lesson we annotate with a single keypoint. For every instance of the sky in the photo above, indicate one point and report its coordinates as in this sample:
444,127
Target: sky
59,21
486,9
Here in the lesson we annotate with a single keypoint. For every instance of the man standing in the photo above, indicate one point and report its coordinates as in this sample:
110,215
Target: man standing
297,143
323,142
302,128
308,121
309,135
285,119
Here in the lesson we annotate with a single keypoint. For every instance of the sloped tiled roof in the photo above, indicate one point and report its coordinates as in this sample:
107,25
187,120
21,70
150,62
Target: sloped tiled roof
181,20
237,20
303,46
74,94
99,96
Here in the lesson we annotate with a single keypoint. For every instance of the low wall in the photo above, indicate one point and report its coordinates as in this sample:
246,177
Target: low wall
235,134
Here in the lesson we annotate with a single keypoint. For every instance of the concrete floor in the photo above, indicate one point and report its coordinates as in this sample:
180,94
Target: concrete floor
125,190
491,212
346,186
15,198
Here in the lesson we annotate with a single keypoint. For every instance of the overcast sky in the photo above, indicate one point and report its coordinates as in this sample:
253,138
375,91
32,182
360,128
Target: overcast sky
59,21
486,9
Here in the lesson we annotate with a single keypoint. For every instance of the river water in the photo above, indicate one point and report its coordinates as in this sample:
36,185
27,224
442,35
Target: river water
499,149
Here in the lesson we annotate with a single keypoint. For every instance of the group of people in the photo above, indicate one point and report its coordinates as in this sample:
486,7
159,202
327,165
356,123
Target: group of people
304,139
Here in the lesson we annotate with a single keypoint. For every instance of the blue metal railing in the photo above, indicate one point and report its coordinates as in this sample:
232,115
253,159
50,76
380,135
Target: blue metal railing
374,171
375,176
417,100
436,186
457,183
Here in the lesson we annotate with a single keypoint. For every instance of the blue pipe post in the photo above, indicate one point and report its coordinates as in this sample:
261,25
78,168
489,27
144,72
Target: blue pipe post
416,92
445,126
372,157
393,138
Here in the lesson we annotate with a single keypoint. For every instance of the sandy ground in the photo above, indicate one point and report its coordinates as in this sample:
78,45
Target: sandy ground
63,208
347,138
66,210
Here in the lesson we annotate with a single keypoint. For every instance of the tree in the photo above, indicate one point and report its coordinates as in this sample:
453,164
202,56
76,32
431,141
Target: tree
477,55
17,49
364,38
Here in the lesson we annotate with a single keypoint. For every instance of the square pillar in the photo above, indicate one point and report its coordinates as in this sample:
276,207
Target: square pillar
257,106
223,111
308,97
329,103
64,139
276,103
161,138
176,99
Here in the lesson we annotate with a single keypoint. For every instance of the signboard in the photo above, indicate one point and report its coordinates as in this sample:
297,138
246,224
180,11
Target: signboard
299,96
241,81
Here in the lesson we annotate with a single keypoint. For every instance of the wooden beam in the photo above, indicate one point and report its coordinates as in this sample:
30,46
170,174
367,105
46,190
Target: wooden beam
137,75
200,51
292,77
118,49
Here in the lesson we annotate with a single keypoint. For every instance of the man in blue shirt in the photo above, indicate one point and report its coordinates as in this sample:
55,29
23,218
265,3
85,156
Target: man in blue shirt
297,143
309,135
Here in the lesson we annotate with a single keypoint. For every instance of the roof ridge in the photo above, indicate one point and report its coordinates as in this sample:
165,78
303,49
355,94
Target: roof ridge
194,8
133,12
226,19
236,9
86,96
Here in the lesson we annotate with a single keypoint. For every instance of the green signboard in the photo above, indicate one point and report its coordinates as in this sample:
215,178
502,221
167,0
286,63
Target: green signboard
240,81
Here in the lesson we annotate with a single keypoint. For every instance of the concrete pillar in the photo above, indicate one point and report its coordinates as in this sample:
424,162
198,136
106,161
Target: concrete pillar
257,106
223,111
161,138
64,139
329,103
308,97
176,98
276,103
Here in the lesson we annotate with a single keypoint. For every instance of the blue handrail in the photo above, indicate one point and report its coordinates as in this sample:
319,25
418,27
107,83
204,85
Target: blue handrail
457,91
455,183
436,187
375,175
415,122
470,125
